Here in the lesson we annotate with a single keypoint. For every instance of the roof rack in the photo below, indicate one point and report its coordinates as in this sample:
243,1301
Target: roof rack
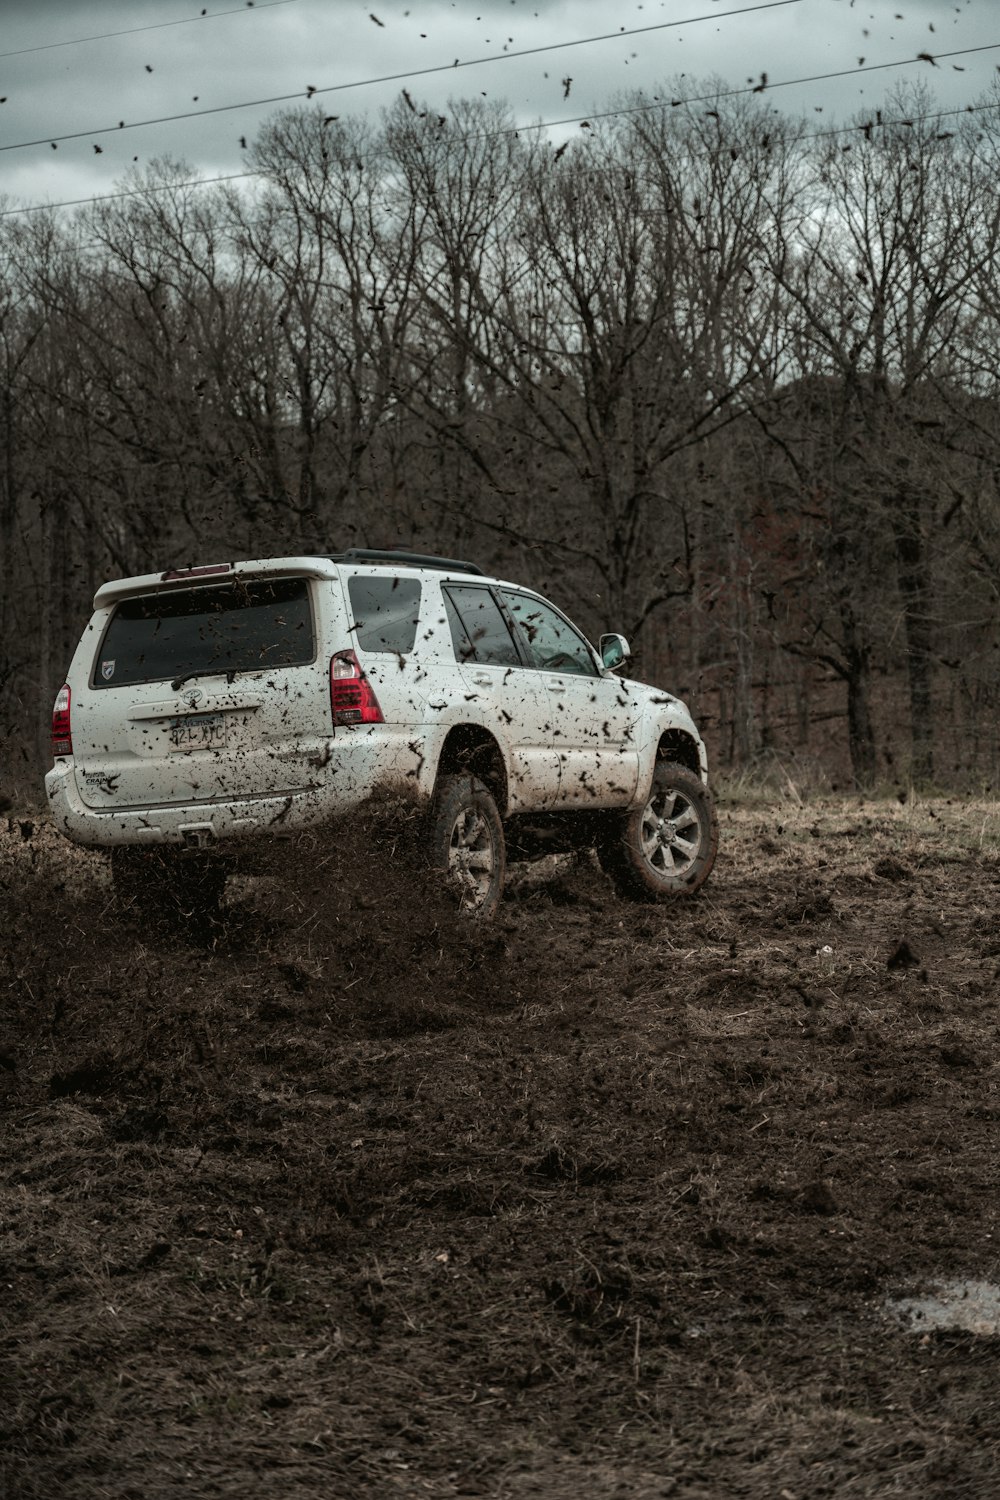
389,555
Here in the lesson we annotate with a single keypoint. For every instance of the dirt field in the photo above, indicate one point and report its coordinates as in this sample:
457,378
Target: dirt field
343,1199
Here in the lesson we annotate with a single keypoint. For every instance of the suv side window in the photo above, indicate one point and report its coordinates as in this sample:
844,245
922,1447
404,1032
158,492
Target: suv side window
386,610
478,630
553,644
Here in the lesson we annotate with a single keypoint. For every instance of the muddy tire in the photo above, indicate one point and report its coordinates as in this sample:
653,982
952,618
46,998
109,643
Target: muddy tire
667,847
168,886
466,844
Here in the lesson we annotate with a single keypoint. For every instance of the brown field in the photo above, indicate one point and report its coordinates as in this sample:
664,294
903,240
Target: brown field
343,1198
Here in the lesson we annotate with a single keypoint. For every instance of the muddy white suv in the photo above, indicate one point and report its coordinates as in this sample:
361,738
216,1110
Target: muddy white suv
209,705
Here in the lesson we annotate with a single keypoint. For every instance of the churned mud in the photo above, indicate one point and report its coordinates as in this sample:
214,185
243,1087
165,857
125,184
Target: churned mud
335,1195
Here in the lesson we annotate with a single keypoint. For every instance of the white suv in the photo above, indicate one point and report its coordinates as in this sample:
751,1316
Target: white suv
219,703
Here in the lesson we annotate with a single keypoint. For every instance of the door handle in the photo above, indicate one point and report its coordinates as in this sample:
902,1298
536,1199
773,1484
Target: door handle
555,687
483,678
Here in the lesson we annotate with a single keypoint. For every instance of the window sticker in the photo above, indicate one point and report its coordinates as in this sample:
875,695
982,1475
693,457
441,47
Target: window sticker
108,669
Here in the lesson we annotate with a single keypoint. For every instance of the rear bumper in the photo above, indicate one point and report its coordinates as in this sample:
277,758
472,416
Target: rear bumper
212,822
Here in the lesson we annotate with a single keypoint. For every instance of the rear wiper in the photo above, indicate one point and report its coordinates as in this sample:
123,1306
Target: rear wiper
179,682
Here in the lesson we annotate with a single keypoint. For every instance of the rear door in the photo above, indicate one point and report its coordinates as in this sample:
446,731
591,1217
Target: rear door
496,675
208,693
594,716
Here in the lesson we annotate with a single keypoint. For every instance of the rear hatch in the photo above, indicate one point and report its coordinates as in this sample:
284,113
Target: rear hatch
209,692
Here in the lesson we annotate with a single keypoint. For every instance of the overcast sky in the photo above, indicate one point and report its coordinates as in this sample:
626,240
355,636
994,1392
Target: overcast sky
62,72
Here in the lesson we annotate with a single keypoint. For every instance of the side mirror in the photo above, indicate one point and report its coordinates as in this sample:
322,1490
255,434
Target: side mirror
614,650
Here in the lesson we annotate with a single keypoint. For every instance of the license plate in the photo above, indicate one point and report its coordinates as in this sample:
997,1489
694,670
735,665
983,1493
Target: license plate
198,732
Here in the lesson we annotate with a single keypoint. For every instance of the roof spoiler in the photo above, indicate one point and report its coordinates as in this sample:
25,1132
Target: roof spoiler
388,555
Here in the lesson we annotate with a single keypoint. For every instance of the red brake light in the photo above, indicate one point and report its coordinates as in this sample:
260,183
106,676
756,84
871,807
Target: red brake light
62,738
352,696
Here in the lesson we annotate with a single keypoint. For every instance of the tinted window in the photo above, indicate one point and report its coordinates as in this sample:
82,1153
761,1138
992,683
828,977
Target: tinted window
464,649
385,611
553,644
233,627
484,630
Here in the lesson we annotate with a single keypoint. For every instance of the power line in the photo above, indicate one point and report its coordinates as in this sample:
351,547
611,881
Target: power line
164,187
474,62
760,88
866,128
104,36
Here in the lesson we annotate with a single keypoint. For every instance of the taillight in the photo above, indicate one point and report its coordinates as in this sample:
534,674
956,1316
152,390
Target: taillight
62,738
352,696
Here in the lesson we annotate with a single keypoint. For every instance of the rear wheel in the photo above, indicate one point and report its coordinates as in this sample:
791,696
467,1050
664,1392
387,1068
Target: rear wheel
467,843
165,884
668,846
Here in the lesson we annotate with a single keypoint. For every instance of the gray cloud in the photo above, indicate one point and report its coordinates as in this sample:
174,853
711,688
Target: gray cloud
266,51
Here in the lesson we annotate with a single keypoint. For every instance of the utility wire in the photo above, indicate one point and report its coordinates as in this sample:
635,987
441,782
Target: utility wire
104,36
164,187
473,62
866,128
760,88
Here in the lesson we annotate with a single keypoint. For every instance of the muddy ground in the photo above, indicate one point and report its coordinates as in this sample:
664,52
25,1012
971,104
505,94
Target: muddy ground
339,1198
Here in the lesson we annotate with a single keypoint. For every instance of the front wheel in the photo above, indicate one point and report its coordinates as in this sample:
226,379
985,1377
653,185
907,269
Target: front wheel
467,844
667,847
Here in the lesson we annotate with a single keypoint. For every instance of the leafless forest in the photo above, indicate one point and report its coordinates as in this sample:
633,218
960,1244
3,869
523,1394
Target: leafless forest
720,380
334,1193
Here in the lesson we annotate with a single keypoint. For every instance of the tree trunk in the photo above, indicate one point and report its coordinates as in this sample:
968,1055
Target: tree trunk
860,731
915,588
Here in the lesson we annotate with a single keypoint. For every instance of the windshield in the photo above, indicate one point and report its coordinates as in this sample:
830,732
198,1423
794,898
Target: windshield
245,626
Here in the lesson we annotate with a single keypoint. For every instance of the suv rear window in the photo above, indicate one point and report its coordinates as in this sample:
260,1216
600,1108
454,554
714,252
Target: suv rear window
386,610
246,626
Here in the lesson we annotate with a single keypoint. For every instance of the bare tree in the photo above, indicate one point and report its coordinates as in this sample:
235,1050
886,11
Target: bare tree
339,244
881,278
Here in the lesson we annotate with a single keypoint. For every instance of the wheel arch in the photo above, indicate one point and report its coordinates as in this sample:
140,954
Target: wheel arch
471,748
679,746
